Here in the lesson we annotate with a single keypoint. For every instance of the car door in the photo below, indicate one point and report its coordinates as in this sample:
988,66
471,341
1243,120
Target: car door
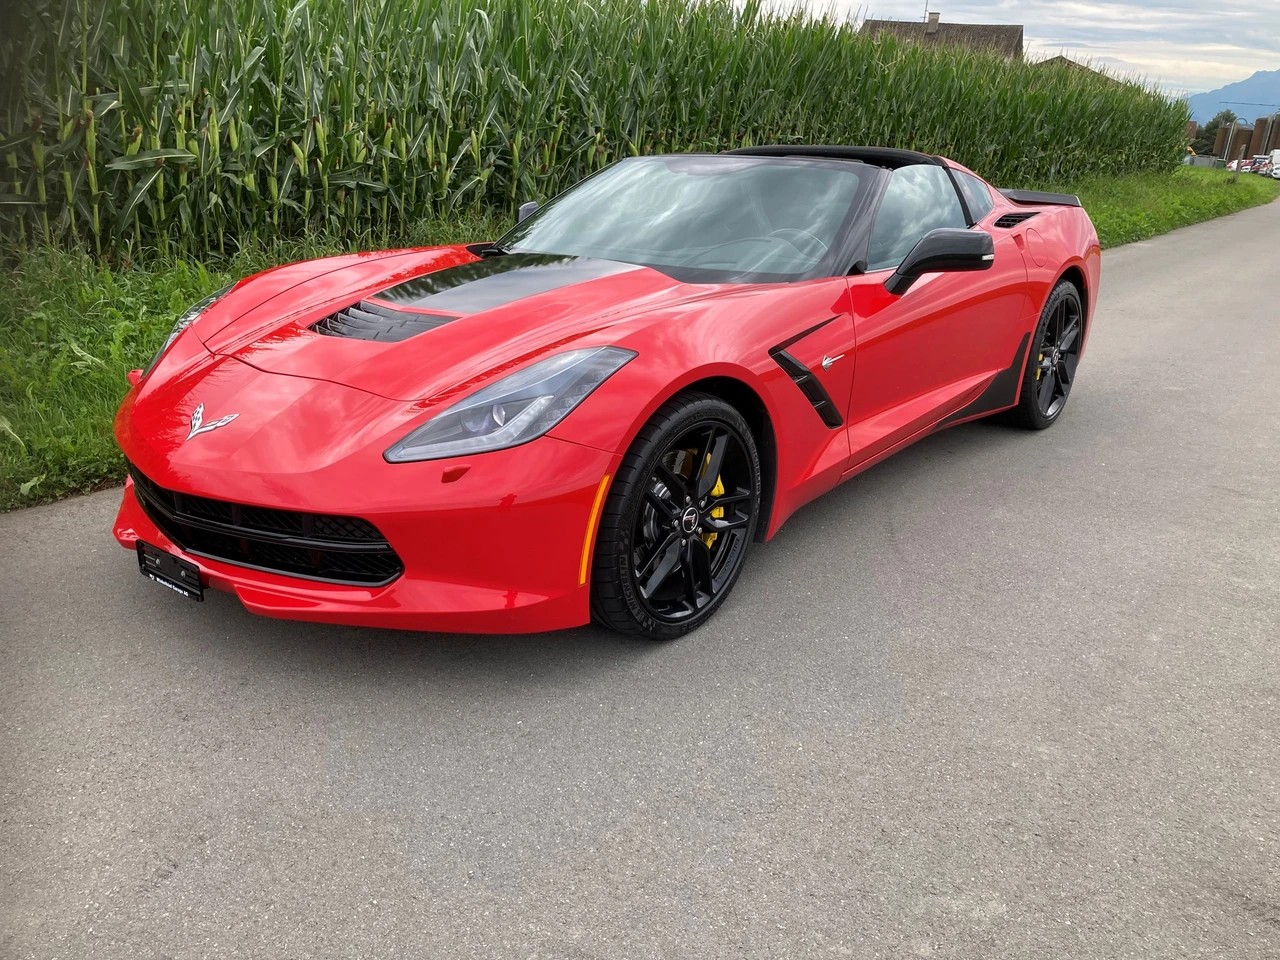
926,353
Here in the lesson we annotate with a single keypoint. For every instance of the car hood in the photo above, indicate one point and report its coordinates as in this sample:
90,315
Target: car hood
426,324
217,417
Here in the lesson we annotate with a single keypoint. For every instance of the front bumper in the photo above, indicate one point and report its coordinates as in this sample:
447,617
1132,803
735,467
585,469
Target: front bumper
496,543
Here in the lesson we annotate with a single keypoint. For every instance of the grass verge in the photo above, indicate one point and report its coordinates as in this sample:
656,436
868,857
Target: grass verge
70,329
1144,205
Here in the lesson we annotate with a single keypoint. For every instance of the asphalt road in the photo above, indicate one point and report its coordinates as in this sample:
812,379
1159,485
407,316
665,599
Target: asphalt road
1006,695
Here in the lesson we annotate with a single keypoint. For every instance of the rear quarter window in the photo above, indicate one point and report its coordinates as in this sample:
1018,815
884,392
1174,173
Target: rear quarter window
977,195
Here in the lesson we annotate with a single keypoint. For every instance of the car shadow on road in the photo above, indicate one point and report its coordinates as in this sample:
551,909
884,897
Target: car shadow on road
954,461
850,513
353,651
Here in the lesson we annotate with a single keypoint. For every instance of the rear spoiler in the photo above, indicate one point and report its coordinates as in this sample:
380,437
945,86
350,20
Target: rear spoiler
1036,197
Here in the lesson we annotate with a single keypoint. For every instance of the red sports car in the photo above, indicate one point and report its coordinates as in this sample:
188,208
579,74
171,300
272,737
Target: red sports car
595,416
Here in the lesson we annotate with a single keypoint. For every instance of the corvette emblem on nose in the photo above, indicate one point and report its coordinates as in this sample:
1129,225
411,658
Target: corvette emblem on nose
198,425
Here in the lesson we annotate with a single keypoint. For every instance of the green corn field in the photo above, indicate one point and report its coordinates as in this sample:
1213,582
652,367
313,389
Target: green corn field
188,126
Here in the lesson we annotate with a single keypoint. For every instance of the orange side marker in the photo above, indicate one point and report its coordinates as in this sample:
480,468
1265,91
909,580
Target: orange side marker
589,540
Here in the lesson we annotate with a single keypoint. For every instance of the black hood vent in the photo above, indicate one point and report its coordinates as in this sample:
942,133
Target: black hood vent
434,299
367,320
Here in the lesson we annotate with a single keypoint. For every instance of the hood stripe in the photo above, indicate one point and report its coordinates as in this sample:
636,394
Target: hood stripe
497,282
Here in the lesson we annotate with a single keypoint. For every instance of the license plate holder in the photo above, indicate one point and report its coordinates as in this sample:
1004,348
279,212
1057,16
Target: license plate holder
180,576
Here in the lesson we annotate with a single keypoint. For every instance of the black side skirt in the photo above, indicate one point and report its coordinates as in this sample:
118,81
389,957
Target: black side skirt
1001,392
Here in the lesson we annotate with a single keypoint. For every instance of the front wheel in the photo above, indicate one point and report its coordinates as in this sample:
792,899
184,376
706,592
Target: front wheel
679,519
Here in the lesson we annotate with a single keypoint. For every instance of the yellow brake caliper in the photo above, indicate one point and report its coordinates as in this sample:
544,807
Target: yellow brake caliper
690,457
718,512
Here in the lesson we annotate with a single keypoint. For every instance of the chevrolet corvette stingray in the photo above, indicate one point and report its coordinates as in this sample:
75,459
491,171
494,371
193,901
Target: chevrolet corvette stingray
594,417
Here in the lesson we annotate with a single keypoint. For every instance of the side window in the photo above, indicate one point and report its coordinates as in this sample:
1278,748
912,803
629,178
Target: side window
976,194
919,198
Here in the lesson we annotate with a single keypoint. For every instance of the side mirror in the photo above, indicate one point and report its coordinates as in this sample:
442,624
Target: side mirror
526,210
946,248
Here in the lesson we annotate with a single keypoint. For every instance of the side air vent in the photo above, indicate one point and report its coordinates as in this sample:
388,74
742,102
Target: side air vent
1011,220
367,320
810,386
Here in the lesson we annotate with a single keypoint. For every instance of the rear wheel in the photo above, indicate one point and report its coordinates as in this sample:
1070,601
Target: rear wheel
1055,354
679,518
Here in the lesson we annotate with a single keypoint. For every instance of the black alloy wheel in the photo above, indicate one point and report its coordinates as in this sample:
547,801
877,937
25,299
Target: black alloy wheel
679,519
1051,368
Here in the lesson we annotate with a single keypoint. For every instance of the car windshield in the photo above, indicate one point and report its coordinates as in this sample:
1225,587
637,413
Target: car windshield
703,218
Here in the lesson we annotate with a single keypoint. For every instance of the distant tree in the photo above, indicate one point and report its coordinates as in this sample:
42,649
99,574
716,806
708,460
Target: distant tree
1203,143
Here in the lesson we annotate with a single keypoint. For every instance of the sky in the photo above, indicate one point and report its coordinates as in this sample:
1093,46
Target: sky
1184,46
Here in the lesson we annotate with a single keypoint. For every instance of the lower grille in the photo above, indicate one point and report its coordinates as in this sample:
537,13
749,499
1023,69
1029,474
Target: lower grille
314,546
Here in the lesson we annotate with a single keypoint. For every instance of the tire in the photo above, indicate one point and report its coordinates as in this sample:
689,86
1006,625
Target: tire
673,538
1051,366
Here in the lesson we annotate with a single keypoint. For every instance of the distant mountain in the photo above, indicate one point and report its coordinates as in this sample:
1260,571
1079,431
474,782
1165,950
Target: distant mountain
1258,96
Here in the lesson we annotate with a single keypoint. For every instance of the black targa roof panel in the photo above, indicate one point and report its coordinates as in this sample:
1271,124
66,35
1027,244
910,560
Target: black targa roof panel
877,156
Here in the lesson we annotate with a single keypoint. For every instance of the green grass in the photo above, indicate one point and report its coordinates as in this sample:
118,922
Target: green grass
71,328
1143,205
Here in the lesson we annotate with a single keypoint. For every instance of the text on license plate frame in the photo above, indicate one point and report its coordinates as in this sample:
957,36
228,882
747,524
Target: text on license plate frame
180,576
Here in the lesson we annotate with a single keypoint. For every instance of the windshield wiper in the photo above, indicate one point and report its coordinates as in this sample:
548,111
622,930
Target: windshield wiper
494,250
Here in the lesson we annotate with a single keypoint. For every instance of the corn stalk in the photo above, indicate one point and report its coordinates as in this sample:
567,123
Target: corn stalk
187,126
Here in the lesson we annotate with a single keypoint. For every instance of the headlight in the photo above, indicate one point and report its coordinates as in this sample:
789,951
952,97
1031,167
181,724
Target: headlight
185,321
515,410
